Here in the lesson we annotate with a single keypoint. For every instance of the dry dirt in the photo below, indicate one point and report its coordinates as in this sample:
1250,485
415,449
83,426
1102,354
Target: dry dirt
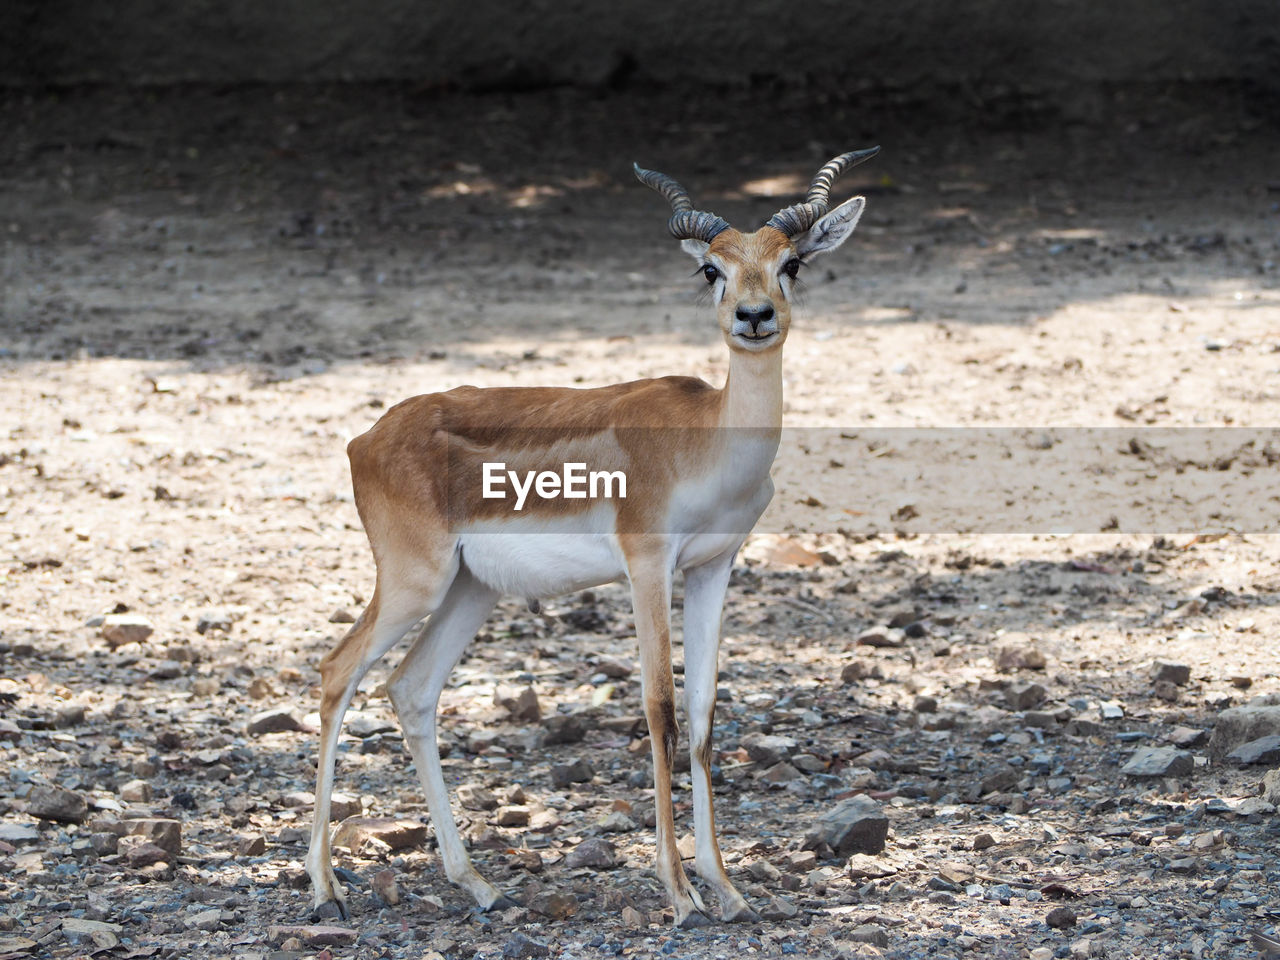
207,292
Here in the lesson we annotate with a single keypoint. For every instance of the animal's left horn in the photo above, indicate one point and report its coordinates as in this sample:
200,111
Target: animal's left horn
799,217
685,222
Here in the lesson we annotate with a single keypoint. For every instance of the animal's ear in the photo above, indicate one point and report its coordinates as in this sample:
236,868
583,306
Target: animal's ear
694,248
832,229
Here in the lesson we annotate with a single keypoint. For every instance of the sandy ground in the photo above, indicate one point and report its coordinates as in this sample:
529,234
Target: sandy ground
206,293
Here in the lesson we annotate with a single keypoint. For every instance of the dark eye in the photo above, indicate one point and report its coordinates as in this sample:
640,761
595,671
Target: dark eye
710,272
791,267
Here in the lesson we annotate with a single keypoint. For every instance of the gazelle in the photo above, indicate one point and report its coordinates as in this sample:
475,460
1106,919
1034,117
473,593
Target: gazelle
696,461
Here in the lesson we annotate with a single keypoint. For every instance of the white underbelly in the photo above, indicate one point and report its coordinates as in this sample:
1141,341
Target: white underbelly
528,563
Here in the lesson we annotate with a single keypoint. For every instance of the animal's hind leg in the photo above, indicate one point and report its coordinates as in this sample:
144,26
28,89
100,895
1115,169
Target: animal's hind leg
415,689
394,608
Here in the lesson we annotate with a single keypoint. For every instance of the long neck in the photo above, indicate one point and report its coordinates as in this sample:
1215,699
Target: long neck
752,395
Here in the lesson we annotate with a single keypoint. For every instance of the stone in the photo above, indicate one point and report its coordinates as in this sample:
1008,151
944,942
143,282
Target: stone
616,669
512,817
1239,725
1271,787
79,930
1175,673
214,621
136,791
1186,737
562,728
863,867
162,831
384,887
1025,696
254,846
855,825
1165,690
1158,762
857,670
999,780
1263,750
522,705
362,724
342,615
119,629
141,852
275,720
781,773
1061,918
395,834
869,933
593,852
983,840
554,904
1019,652
1110,710
763,871
617,822
313,935
925,704
472,796
205,920
881,637
50,802
18,833
576,770
520,946
779,908
768,749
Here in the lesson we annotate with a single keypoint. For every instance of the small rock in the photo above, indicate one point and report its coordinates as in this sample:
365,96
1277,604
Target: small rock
1025,696
779,908
512,817
869,933
768,749
856,670
562,728
522,705
119,629
214,621
314,935
1165,690
141,852
1158,762
1110,710
881,637
1239,725
136,791
1060,918
362,724
1263,750
49,802
593,852
342,616
1241,683
999,780
1186,737
633,919
383,885
1019,654
275,720
254,846
764,871
18,833
554,904
1271,787
162,831
1175,673
616,669
855,825
472,796
1041,953
781,773
863,867
396,834
79,930
982,841
576,770
925,704
617,822
529,860
205,920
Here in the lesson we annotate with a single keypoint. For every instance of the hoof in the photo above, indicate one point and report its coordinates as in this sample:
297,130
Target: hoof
503,902
330,910
695,920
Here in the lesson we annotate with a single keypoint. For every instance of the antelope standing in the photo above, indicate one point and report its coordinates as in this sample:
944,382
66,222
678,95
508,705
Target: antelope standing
697,464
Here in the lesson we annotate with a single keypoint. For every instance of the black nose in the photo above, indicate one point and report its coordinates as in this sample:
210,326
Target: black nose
755,315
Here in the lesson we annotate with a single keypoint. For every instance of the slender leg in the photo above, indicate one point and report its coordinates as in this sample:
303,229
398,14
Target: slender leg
704,589
390,614
651,597
414,689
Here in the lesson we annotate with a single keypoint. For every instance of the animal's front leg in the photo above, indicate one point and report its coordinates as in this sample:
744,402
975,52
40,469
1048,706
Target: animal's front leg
651,596
704,589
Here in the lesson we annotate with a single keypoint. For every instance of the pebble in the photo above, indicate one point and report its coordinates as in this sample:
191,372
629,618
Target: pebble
472,796
576,770
342,615
275,720
136,791
1263,750
1271,787
314,935
119,629
1019,654
768,749
562,728
1175,673
384,887
1158,762
1025,696
881,637
855,825
1239,725
779,908
593,852
554,904
214,621
395,834
49,802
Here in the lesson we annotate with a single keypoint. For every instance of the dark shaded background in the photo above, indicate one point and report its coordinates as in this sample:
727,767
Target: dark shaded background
1054,47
